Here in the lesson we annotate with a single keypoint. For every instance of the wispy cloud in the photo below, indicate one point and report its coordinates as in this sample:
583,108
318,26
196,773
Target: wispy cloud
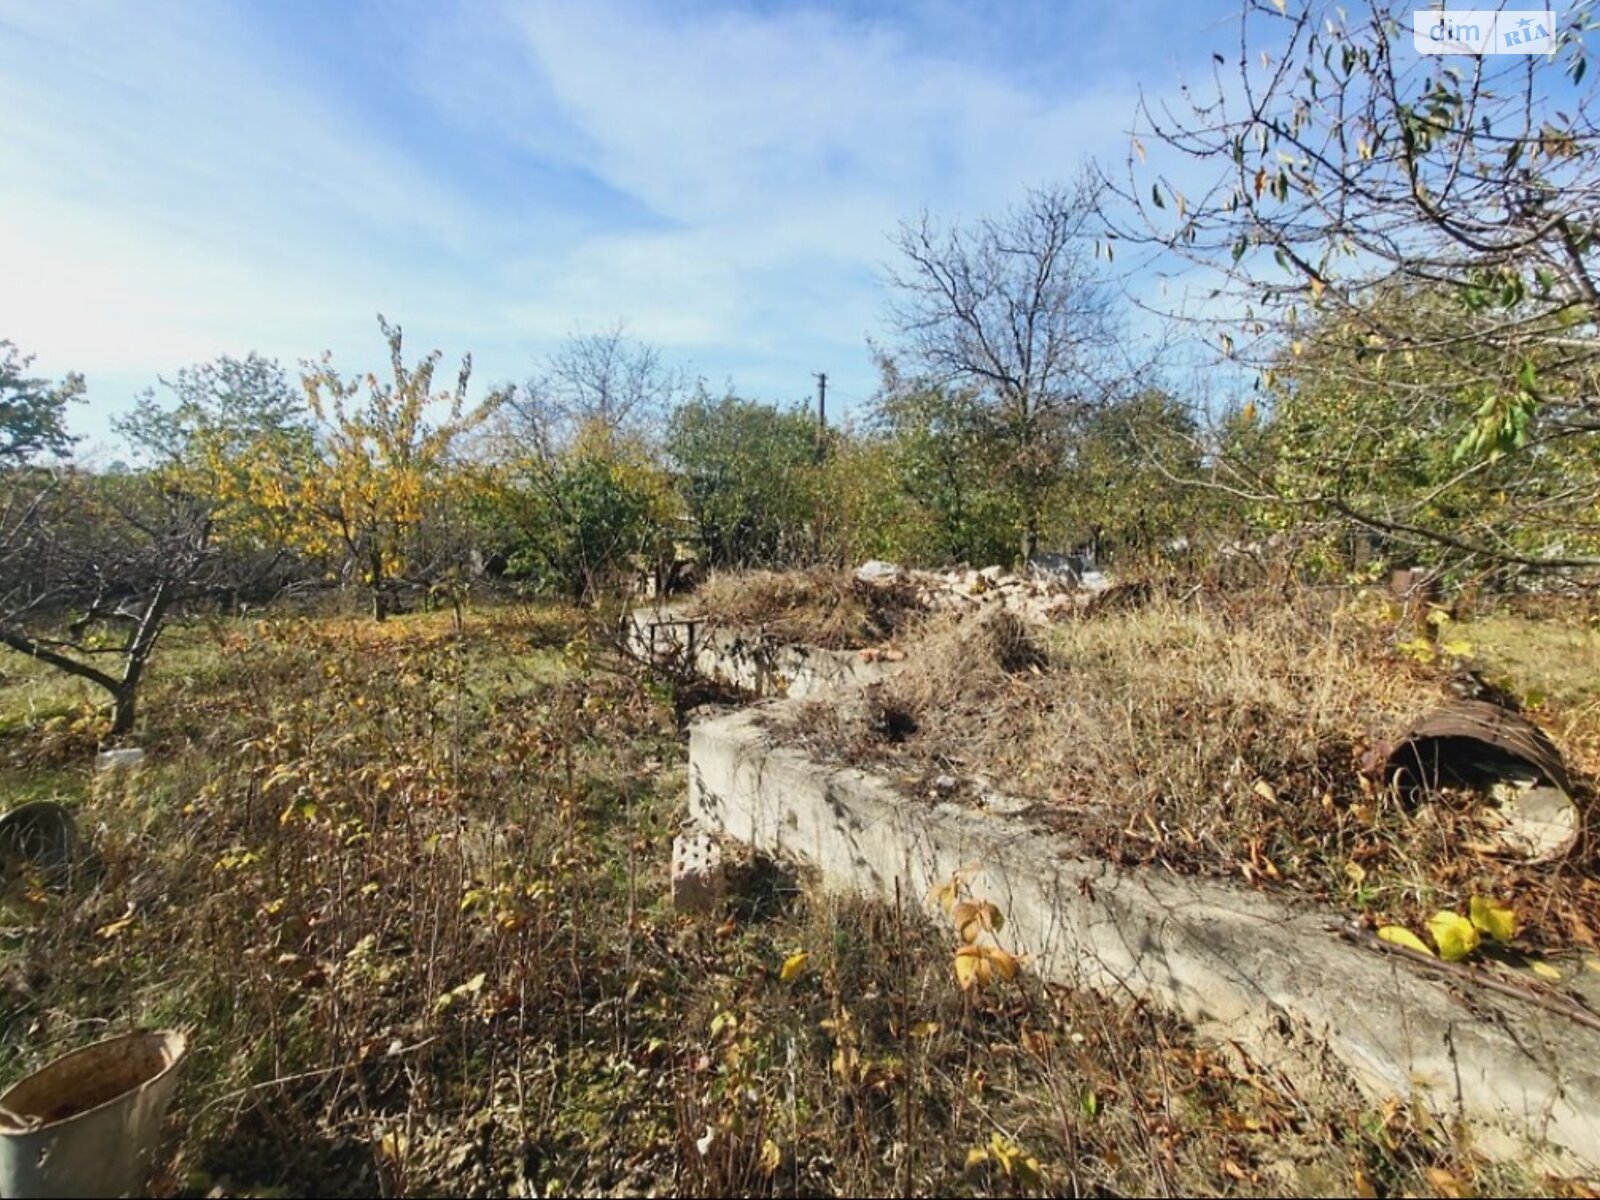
202,177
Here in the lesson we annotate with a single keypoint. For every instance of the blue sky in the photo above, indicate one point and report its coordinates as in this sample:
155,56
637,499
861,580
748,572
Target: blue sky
189,178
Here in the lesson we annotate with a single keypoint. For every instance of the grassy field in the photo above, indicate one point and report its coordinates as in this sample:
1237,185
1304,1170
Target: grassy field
405,886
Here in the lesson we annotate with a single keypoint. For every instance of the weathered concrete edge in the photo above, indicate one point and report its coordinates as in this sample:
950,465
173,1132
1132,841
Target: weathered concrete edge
1239,965
757,662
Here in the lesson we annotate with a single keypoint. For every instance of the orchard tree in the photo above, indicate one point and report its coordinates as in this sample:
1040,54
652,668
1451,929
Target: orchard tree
744,471
91,567
32,411
589,518
233,435
1014,308
949,458
381,460
1122,491
1333,184
597,384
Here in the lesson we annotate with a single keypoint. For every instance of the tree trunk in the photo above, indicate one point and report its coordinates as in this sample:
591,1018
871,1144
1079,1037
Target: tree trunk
380,602
1030,538
123,709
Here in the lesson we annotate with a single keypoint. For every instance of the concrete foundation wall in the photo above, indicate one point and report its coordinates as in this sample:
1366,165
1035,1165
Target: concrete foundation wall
751,660
1240,965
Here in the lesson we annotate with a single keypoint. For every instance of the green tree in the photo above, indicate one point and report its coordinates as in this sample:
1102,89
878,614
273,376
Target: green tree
582,522
235,436
1386,437
32,411
1124,489
1339,176
948,458
745,475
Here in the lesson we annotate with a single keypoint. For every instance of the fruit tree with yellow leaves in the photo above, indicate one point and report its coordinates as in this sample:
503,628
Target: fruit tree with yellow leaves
382,461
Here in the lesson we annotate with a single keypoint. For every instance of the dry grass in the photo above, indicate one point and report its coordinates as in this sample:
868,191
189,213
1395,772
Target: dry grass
1216,734
818,608
409,896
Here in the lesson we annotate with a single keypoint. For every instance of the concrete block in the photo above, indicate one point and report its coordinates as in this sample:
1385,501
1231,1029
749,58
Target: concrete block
1256,970
698,882
112,760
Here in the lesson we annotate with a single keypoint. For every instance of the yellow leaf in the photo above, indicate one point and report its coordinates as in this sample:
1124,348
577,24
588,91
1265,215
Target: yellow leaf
793,966
924,1029
1004,965
1400,936
1544,970
976,1157
1280,4
972,918
946,894
771,1157
1355,873
1455,936
393,1145
1494,918
1265,791
115,927
971,967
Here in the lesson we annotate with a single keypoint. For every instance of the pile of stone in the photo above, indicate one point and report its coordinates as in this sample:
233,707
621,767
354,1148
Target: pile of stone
1052,589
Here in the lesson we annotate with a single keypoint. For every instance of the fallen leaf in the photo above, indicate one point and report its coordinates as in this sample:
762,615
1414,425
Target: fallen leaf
1494,918
793,966
1455,936
1400,936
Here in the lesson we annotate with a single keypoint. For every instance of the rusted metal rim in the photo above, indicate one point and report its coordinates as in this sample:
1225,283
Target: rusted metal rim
1483,747
1475,744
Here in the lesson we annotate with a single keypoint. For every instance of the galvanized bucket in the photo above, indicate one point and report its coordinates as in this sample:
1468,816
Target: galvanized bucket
88,1123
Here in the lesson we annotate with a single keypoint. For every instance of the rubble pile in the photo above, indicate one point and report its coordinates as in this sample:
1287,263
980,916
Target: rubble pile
1050,591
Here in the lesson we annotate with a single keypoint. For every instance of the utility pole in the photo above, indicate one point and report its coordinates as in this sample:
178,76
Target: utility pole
822,412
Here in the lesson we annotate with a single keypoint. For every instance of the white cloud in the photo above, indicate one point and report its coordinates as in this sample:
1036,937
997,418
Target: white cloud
725,181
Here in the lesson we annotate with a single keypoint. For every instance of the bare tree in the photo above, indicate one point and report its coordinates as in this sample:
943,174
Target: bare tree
90,569
1015,307
1423,208
606,382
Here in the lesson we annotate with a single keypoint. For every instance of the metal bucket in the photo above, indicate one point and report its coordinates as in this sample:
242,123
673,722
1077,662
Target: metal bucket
88,1123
